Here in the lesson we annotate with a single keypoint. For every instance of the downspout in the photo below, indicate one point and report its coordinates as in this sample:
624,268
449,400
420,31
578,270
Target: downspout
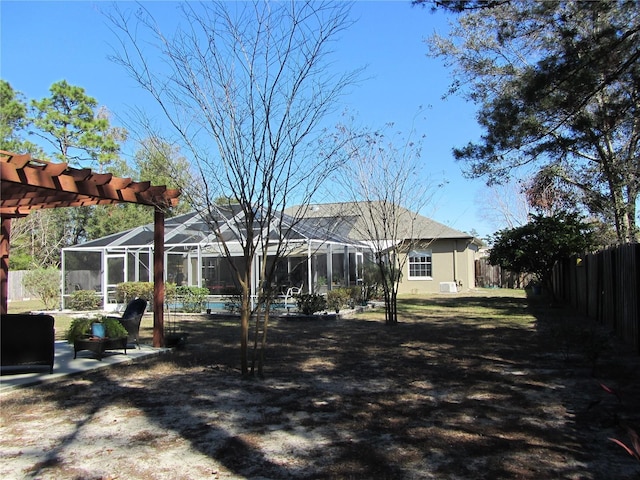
455,266
471,275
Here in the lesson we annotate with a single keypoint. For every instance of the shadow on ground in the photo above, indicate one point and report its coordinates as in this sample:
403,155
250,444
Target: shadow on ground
479,386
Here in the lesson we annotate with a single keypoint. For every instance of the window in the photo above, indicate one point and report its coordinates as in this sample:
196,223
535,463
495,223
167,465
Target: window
420,265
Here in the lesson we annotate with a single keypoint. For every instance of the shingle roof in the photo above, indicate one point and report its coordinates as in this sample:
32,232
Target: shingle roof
351,215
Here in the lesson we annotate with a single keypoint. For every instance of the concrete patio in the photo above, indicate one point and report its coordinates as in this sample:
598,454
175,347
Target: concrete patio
65,365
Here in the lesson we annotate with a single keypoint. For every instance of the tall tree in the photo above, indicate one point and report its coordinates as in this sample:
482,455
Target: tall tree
13,124
245,86
70,121
460,5
78,131
155,161
558,85
161,163
13,116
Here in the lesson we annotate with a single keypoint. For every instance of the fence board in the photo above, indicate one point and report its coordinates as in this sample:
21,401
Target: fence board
488,276
16,290
605,286
594,285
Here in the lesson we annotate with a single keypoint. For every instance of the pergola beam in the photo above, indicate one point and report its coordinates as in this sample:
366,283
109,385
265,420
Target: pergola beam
29,184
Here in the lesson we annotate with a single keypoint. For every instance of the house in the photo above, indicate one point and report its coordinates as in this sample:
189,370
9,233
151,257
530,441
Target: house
324,248
440,259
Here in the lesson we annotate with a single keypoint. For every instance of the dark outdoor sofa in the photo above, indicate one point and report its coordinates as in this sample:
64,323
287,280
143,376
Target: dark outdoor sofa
26,341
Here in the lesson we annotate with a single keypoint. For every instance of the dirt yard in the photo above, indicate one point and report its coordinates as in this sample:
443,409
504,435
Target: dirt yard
476,386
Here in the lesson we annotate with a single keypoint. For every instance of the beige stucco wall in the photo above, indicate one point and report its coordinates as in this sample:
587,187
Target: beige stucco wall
452,261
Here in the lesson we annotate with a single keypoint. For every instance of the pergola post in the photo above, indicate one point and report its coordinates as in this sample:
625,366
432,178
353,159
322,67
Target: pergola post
158,278
5,236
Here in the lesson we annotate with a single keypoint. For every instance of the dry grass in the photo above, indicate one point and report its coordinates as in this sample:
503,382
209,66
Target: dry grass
483,385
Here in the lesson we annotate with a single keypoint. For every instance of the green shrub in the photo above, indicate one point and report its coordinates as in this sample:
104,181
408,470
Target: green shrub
310,303
372,283
78,328
44,283
192,298
81,327
127,291
169,291
337,298
84,300
360,295
113,327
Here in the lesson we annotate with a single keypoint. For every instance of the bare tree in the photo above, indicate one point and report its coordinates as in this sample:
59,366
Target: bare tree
40,236
245,85
384,175
504,205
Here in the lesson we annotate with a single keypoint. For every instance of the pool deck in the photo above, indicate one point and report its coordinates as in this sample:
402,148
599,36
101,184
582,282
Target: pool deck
65,365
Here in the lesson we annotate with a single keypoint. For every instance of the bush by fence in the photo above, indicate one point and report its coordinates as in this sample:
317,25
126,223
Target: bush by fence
605,286
44,283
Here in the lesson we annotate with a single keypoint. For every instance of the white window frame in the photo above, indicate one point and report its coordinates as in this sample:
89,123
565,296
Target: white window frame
420,253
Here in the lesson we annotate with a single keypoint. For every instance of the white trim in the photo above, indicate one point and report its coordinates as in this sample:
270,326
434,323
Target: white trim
419,253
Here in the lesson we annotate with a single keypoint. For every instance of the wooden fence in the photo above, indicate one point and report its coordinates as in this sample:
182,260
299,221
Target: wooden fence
16,290
494,276
605,286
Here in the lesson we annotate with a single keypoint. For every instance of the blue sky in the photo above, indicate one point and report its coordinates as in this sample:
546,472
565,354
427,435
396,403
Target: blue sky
44,42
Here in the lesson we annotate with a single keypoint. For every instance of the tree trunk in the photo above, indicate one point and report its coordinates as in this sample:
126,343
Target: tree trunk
394,306
263,342
260,334
245,314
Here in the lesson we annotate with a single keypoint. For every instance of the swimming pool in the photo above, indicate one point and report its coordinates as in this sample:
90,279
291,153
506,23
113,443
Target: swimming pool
219,305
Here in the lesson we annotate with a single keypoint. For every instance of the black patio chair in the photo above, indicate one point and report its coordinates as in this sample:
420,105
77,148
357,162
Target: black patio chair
131,319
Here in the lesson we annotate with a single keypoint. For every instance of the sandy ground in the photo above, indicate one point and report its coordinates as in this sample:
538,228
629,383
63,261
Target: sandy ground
474,387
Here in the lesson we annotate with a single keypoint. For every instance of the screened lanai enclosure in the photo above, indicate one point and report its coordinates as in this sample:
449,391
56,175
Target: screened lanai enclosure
318,256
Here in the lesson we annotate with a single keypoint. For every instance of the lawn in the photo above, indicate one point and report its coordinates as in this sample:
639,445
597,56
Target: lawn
483,385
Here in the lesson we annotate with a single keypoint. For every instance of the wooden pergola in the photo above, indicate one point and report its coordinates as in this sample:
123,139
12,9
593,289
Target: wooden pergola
28,184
